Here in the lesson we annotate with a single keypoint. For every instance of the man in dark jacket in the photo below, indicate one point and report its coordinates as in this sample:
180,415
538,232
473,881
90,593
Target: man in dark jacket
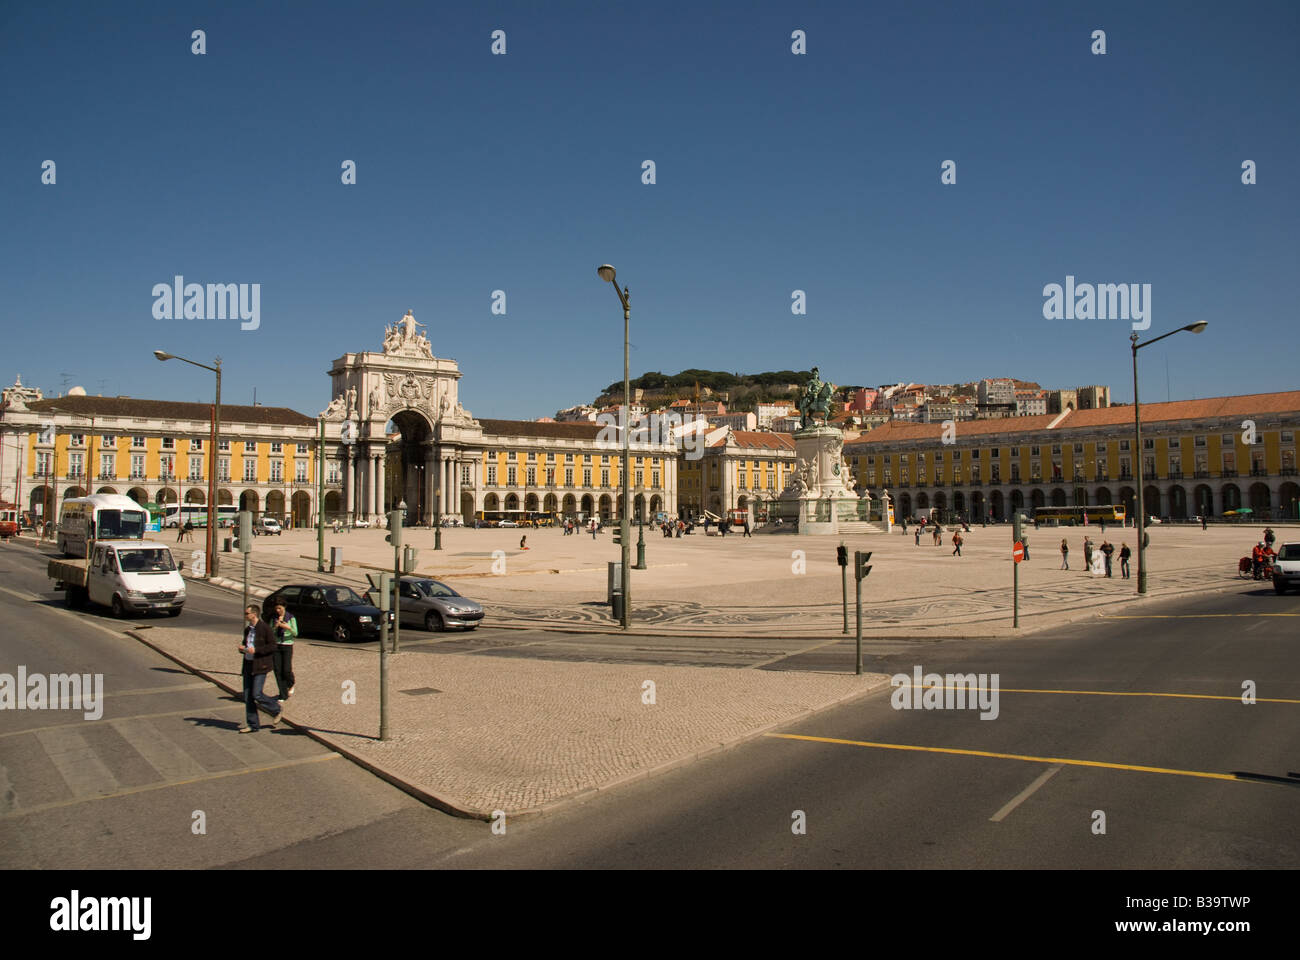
258,648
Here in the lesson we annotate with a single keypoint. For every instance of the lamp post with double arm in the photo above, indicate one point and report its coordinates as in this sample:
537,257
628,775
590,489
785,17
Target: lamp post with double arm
1197,327
210,564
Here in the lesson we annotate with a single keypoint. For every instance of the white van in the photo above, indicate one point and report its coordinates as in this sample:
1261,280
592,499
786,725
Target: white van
134,577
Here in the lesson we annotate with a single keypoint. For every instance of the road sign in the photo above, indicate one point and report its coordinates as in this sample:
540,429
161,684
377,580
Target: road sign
1018,552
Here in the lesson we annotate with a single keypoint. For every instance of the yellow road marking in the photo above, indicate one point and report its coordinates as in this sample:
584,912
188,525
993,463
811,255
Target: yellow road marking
1105,693
1188,616
1014,756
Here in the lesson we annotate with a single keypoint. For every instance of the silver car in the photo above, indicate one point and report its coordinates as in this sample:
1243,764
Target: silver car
437,605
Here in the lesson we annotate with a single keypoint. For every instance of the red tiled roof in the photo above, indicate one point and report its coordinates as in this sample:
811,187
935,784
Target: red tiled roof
758,440
1257,404
170,410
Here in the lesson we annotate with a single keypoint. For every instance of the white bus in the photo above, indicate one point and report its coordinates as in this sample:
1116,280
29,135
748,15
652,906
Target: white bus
104,516
197,514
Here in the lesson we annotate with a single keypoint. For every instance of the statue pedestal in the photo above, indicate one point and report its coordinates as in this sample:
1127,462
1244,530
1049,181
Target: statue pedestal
820,497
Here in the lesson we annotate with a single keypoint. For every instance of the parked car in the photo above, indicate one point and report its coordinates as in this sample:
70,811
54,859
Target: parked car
327,609
506,523
1286,567
360,522
268,525
437,605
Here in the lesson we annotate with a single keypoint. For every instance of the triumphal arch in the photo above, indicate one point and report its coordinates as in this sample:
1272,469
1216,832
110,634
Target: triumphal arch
436,443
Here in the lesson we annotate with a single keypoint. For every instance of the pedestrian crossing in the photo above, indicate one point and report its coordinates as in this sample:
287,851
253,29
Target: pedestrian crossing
64,764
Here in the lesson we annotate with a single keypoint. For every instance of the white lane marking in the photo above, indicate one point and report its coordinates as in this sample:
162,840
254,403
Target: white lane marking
158,750
1026,793
74,758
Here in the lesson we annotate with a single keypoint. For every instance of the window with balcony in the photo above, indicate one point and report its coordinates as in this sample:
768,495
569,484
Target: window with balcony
250,470
586,476
76,464
492,475
1015,473
108,466
42,464
1257,468
512,475
465,478
550,476
1125,473
1148,468
1202,466
568,476
637,477
530,476
299,471
1175,467
1229,464
654,479
1288,463
196,468
277,471
223,469
604,476
333,472
137,466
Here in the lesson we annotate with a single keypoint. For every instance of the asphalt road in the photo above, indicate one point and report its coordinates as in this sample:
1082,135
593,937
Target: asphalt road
1078,709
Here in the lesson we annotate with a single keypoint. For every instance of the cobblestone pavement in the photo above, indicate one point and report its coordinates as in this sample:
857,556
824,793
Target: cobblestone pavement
474,734
776,583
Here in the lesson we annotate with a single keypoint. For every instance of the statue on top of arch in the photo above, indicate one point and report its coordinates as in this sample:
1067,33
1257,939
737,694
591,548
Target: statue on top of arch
405,338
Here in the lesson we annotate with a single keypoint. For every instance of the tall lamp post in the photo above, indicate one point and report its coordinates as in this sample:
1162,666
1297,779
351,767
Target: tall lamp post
608,274
210,566
1197,327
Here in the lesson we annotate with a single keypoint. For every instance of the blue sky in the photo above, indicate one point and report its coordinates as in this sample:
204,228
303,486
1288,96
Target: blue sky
522,173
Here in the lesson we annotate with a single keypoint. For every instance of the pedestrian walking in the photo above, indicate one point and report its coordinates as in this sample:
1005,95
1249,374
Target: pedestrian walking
258,649
1024,543
1202,521
1087,553
285,628
1124,554
1102,521
938,535
956,543
1065,554
180,531
747,533
904,524
189,531
918,535
1107,548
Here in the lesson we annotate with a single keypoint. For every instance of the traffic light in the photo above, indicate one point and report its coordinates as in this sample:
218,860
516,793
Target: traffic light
394,528
860,565
842,555
618,534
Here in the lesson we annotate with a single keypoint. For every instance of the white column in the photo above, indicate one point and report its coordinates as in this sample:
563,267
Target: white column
349,481
448,473
381,472
430,479
371,482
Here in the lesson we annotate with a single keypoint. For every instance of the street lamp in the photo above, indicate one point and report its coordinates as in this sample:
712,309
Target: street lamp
1197,327
608,274
210,566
